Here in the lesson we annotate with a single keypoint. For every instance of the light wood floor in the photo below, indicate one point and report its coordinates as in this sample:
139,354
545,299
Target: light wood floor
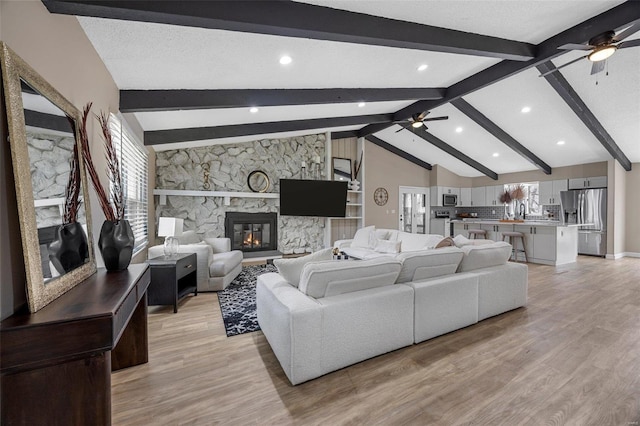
572,356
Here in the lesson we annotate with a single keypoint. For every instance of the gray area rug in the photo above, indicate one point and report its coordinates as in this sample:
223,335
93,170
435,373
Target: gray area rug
238,301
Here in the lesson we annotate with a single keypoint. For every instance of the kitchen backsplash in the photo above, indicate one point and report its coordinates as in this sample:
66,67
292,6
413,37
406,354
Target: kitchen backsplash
495,212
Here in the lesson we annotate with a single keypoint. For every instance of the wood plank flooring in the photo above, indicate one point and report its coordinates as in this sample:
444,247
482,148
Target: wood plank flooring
572,356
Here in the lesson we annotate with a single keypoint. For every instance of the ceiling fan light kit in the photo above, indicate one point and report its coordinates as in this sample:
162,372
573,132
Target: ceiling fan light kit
416,124
601,53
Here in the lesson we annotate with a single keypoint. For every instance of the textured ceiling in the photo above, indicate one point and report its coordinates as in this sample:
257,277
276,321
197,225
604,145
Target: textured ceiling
158,56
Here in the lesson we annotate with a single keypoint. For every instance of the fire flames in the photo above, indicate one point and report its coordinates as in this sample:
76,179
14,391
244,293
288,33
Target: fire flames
250,241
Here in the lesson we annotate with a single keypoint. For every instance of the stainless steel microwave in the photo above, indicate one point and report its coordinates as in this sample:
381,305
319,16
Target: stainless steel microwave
449,200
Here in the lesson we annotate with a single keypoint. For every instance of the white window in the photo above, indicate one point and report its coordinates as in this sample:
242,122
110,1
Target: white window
134,161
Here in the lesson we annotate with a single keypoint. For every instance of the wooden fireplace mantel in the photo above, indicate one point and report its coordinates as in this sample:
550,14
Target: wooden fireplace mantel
55,364
227,195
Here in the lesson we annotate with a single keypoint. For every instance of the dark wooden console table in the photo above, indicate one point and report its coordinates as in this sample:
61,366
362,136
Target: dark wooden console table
55,364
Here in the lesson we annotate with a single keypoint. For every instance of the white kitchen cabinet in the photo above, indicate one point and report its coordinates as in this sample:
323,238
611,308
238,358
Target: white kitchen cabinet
478,196
465,197
494,231
550,191
461,228
493,195
589,182
540,242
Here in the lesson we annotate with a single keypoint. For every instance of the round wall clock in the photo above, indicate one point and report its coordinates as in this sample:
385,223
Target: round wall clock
380,196
258,181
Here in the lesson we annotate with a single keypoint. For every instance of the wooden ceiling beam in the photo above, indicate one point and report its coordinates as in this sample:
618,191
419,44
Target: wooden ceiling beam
495,130
613,19
292,19
577,105
397,151
169,100
439,143
156,137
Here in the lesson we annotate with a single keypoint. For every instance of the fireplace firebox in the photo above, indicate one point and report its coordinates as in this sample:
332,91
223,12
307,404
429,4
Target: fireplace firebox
252,232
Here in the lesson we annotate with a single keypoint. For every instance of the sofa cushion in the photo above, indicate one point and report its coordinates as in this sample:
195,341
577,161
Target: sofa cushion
363,237
415,242
386,246
291,269
330,278
382,234
484,256
425,264
219,245
224,263
362,253
189,237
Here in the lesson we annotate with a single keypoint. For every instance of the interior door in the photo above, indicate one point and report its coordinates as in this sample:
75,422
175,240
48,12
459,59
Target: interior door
414,207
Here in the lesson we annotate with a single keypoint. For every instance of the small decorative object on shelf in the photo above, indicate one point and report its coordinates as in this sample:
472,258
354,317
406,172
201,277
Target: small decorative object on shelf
69,248
315,171
354,185
258,181
116,237
303,170
206,168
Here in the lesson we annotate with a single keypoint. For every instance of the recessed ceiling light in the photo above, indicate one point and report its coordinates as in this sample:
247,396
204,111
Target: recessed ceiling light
285,60
560,142
495,154
423,67
253,110
459,129
361,105
525,110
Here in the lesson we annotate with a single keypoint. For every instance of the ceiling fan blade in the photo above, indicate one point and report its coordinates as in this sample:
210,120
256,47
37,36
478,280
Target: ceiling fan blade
562,66
573,46
630,43
436,118
626,33
597,67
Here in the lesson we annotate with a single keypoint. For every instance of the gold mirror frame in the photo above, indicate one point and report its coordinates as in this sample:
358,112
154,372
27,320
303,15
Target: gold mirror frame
15,69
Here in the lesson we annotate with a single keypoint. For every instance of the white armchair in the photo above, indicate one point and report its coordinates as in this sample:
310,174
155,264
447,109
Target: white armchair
217,264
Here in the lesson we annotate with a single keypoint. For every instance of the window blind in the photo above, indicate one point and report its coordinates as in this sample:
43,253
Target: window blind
134,161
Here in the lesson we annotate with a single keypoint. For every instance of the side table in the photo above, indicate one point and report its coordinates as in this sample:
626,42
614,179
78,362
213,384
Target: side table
172,278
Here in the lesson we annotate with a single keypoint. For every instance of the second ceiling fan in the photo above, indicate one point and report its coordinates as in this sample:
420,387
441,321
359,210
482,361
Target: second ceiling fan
418,120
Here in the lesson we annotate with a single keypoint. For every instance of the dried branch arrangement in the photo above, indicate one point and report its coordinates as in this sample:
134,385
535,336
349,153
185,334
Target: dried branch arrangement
111,212
72,193
505,197
518,192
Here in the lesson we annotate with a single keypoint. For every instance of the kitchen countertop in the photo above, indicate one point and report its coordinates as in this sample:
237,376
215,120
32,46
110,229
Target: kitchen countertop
555,223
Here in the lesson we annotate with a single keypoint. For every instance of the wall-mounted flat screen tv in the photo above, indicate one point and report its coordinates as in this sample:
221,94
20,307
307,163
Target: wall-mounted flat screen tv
324,198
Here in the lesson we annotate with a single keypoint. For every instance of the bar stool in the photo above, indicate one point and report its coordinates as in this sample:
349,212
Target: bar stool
513,239
476,232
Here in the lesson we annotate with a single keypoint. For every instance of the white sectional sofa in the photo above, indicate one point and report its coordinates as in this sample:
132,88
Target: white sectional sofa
343,312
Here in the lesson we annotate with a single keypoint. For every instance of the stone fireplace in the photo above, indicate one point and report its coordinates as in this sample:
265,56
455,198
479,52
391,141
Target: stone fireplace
252,232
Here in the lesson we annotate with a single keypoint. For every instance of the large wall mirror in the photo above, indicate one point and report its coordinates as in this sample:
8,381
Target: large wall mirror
51,188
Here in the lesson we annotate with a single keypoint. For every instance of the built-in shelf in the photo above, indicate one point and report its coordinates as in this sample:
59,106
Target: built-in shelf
354,205
354,192
227,195
346,218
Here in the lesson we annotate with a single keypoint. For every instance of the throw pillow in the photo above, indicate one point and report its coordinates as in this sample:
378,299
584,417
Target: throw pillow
460,241
189,237
290,269
447,242
363,237
382,234
385,246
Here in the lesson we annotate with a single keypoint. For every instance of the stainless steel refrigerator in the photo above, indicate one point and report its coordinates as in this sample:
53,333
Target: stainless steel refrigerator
587,207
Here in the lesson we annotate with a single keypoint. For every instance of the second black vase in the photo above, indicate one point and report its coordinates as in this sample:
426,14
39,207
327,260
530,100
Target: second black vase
116,244
69,248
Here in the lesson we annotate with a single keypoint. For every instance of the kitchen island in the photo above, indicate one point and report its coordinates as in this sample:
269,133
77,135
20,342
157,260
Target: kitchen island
547,242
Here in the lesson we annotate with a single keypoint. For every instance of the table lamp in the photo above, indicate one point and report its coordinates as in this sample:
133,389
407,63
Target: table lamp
170,227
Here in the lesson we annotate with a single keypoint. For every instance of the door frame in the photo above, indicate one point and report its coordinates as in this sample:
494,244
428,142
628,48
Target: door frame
423,190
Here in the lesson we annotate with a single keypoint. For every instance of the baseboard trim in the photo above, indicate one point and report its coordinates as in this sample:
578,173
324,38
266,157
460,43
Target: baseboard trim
621,255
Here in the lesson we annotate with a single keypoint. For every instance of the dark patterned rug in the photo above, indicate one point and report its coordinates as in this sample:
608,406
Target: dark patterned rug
238,301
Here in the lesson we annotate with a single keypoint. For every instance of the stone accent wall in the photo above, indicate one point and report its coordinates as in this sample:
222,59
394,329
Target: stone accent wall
229,167
49,157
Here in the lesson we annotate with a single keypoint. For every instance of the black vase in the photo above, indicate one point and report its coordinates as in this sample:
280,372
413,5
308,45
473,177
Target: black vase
69,248
116,244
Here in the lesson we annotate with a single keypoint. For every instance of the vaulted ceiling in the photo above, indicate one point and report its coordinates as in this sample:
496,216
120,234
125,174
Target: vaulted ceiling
191,71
